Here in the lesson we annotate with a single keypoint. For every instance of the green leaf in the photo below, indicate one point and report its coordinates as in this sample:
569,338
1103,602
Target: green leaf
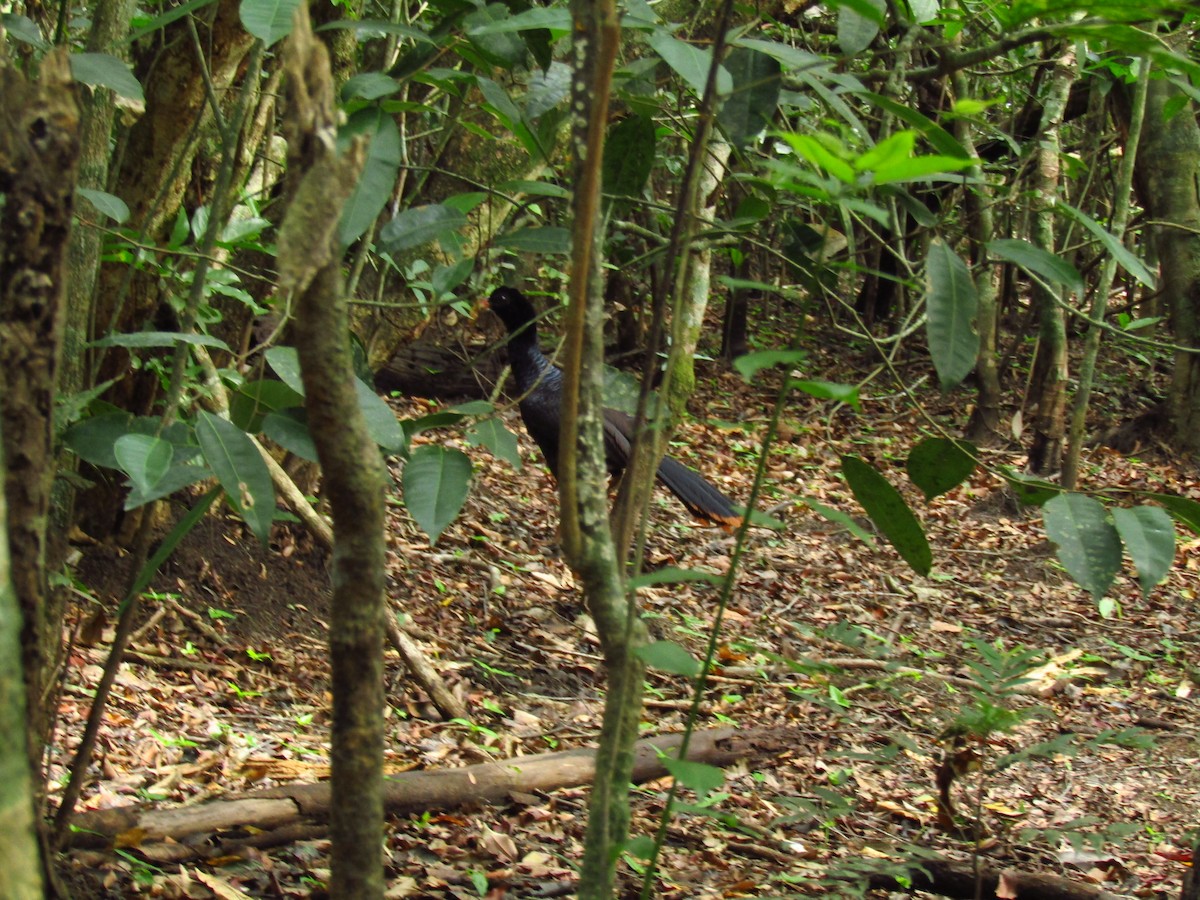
629,156
952,302
937,465
436,480
492,434
751,364
671,575
1088,545
889,512
268,20
1046,265
548,240
144,458
1186,512
420,225
1120,253
93,439
107,204
174,479
939,139
830,390
668,656
1149,535
500,46
474,408
690,63
382,424
750,108
105,70
240,469
289,429
858,23
369,86
285,362
837,517
557,18
141,340
378,176
535,189
254,399
23,29
815,152
699,777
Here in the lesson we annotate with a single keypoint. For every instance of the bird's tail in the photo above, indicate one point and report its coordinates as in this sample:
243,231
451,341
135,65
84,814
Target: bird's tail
699,496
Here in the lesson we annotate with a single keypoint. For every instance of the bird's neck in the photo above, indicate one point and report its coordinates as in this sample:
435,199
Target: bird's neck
529,363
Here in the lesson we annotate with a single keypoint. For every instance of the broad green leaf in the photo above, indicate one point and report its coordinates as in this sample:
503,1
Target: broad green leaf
1088,545
268,20
474,408
382,424
815,152
176,478
492,434
690,63
791,57
891,150
144,458
548,240
436,480
378,176
1149,536
937,465
830,390
750,108
671,575
557,18
105,70
858,23
1119,251
285,362
369,86
939,138
1186,512
699,777
920,168
1046,265
534,189
93,439
254,399
667,656
952,301
500,102
240,468
289,429
751,364
837,517
23,29
498,46
889,512
141,340
420,225
108,204
629,156
547,90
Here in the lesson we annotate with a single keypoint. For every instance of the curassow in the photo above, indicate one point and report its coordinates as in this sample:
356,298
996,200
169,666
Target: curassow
540,384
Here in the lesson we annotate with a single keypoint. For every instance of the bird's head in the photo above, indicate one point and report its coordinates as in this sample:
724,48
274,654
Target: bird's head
513,308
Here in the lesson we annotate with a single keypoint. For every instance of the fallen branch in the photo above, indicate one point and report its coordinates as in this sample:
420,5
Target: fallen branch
171,834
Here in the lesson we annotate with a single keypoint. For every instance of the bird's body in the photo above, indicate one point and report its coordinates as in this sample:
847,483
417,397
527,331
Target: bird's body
540,384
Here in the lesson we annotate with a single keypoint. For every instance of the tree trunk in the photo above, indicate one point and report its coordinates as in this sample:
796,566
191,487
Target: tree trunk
39,146
1048,384
310,266
20,875
1167,164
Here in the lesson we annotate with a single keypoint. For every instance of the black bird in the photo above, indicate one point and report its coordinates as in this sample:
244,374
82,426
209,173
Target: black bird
540,383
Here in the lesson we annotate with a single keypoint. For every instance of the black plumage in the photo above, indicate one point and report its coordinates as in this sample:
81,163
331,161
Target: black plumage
540,384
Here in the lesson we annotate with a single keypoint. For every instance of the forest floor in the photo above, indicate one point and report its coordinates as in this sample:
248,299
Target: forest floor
229,687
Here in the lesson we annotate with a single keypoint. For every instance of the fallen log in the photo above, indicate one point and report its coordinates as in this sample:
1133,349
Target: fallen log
960,880
179,834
